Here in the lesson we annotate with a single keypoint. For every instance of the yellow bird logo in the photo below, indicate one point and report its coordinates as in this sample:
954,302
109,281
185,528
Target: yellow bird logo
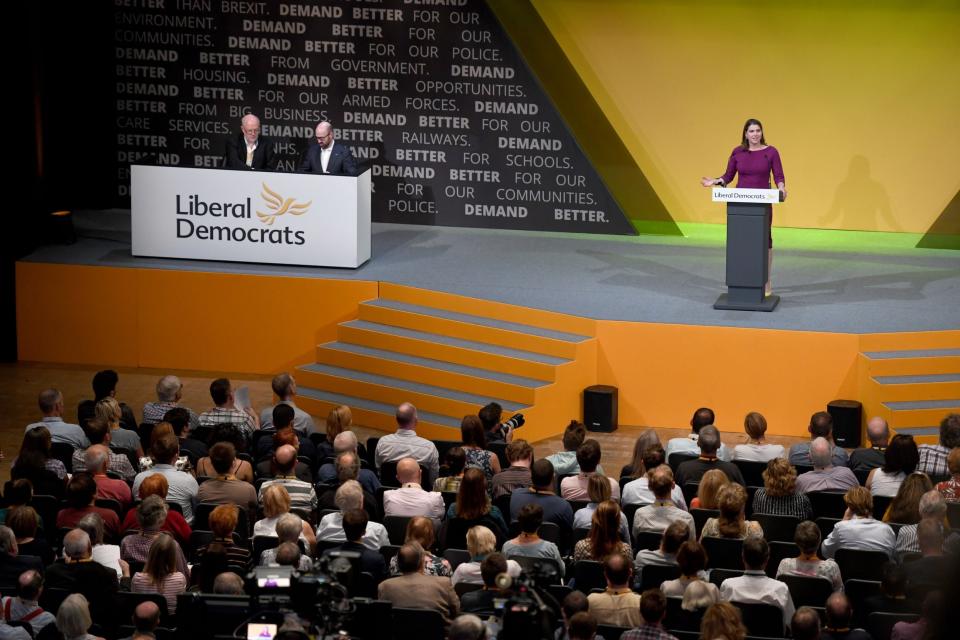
280,205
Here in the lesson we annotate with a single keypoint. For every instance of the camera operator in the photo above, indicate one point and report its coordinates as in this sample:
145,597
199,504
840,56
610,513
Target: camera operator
497,431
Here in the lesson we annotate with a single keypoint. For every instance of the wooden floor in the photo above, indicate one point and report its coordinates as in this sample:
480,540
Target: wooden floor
21,382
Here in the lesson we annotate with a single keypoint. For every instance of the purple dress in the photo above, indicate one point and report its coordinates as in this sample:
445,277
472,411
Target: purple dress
753,169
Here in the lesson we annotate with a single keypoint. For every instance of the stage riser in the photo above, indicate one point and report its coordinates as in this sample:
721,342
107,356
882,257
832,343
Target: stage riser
910,340
914,366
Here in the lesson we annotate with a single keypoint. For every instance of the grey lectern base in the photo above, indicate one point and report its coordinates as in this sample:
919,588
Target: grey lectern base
748,240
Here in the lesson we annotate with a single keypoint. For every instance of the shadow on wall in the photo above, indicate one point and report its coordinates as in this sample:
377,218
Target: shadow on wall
945,232
860,201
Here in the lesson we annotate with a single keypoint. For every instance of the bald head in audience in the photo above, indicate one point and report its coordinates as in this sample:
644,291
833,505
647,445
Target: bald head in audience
408,471
878,432
821,453
345,441
228,583
838,611
285,458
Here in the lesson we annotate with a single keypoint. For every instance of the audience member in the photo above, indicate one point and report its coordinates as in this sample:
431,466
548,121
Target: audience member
184,422
182,487
494,430
228,583
807,539
573,603
160,573
223,522
285,388
24,522
98,433
467,626
653,610
731,522
81,495
481,542
638,491
928,626
302,494
930,570
339,420
150,516
74,618
346,443
517,475
146,619
421,530
754,586
289,529
225,410
826,475
658,516
225,488
931,507
604,536
528,543
349,496
665,556
698,596
105,386
414,590
933,457
169,393
24,607
405,443
482,602
690,445
950,489
555,508
866,458
709,489
900,459
722,621
618,604
588,459
565,462
106,554
50,402
905,506
174,523
80,574
474,444
473,504
121,438
12,564
839,613
598,489
635,468
46,474
778,495
821,426
410,499
858,529
355,523
693,470
455,462
18,493
893,596
805,624
583,626
348,468
229,433
756,449
283,433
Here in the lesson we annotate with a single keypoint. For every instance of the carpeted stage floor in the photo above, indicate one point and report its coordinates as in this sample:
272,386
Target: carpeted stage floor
848,282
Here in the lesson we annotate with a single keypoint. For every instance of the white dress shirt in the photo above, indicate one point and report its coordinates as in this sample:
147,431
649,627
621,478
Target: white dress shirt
758,452
638,492
755,586
330,529
689,445
660,515
411,500
860,533
325,156
405,443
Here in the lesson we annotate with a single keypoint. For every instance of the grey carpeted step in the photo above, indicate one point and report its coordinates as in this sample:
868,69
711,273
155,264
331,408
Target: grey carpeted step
911,353
409,385
919,431
373,405
462,369
921,379
455,342
478,320
914,405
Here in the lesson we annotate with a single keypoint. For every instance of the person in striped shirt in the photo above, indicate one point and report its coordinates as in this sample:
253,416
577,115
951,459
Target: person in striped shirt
302,494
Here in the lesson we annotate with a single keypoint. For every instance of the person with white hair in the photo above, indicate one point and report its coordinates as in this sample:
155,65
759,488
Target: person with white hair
346,442
79,573
289,529
932,507
350,496
248,150
825,476
467,626
169,393
50,402
74,619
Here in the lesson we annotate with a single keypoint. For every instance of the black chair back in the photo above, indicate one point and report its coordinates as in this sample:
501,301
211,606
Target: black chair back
808,591
113,505
827,504
449,497
396,528
652,575
456,557
717,576
502,503
826,526
649,540
372,451
690,490
857,591
678,619
761,619
201,519
465,587
587,575
47,508
751,471
531,566
261,544
723,553
880,504
576,505
499,448
63,452
777,528
371,619
779,551
880,623
861,564
610,630
388,551
700,517
676,459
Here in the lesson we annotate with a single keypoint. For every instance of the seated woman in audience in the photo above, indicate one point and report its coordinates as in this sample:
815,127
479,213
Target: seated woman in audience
529,543
73,618
731,500
33,463
289,529
598,488
635,468
106,554
174,522
420,530
480,543
723,621
905,507
807,537
276,502
24,522
757,449
698,595
455,462
151,514
778,496
473,503
950,489
474,446
81,495
227,432
708,489
604,537
160,573
223,522
108,410
692,560
339,419
18,493
858,529
899,460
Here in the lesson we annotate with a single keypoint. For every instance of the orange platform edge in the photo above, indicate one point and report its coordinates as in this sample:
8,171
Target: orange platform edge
263,324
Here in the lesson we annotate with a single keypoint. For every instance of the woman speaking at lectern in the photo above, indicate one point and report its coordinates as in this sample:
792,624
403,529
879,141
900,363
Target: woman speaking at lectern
753,161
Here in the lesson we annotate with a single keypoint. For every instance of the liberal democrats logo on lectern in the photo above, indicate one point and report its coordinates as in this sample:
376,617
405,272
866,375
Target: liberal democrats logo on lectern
236,218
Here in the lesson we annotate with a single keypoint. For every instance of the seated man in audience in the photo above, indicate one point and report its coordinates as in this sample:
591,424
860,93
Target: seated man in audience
709,443
932,507
690,445
482,602
929,624
821,426
355,523
867,458
825,476
618,604
105,386
285,435
528,542
98,433
12,564
653,610
346,442
517,475
97,459
405,443
839,613
79,574
225,410
893,595
417,591
933,457
146,619
638,491
169,394
805,624
573,603
410,499
24,606
225,488
666,556
754,585
183,487
183,422
288,555
494,430
51,406
467,626
583,626
289,528
81,495
151,514
555,508
348,468
228,584
858,529
302,494
565,462
930,570
662,513
350,496
285,388
588,458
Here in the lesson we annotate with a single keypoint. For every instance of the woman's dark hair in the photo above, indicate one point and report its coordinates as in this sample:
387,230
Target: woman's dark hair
456,460
605,529
161,559
901,455
81,490
744,144
229,432
34,453
472,500
646,439
213,562
472,433
905,506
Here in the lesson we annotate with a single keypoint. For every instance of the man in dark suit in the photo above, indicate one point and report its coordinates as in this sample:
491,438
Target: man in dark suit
12,564
354,527
249,150
80,574
328,157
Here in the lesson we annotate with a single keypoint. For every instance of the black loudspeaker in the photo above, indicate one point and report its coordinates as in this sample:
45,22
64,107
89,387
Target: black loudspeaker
600,408
847,416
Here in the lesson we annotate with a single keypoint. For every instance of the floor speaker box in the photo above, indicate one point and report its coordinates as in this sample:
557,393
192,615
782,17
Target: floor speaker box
600,408
847,416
